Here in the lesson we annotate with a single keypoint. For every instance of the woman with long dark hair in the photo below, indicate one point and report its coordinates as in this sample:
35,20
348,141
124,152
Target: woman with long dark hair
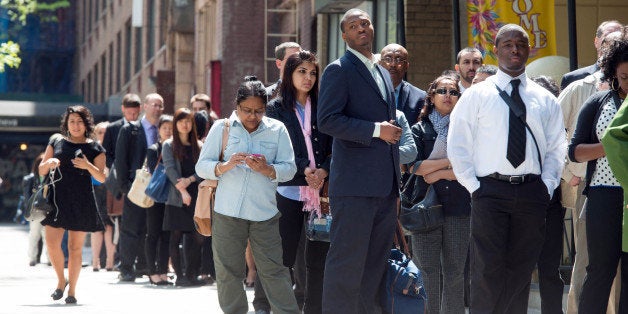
180,154
75,158
296,108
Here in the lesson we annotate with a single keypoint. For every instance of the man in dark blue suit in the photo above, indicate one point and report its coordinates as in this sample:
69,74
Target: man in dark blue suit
131,147
408,98
357,107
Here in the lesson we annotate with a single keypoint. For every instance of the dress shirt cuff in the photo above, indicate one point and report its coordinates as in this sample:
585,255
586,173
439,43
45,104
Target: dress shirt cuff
472,186
376,131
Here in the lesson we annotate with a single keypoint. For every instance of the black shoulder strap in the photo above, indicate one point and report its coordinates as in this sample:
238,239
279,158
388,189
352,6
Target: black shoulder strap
519,113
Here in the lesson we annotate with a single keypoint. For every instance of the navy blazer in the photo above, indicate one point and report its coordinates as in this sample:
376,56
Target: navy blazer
349,105
321,143
578,74
411,100
131,150
109,141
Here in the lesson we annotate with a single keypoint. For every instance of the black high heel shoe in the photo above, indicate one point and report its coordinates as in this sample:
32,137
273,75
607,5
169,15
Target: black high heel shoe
58,293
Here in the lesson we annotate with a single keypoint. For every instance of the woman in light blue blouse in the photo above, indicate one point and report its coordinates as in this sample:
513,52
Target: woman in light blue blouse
257,156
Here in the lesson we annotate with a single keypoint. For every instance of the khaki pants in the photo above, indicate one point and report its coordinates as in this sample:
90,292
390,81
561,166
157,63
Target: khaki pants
582,259
229,240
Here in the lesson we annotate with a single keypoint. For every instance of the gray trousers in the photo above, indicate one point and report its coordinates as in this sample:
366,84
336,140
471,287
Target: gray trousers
229,237
443,250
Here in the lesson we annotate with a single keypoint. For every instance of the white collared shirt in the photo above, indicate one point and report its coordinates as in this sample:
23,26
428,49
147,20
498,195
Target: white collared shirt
370,65
478,133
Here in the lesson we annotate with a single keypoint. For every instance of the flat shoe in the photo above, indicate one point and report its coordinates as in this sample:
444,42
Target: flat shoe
70,300
58,293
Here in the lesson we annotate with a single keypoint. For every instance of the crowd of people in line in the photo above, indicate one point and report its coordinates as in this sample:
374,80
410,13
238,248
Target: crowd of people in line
504,181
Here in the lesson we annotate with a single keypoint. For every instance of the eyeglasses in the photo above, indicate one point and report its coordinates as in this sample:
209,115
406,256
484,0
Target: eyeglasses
249,112
443,91
397,60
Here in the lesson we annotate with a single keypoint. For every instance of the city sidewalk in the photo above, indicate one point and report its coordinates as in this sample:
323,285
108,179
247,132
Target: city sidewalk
25,289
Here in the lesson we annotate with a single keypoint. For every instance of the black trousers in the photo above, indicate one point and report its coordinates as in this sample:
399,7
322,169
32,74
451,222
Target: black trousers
507,231
132,237
290,229
551,285
315,254
604,227
157,240
361,238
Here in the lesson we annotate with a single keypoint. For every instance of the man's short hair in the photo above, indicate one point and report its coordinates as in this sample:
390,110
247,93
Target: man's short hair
509,28
202,97
350,11
280,50
469,50
152,96
600,29
131,101
488,69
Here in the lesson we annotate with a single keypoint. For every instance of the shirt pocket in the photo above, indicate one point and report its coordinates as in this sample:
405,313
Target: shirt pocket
233,146
269,150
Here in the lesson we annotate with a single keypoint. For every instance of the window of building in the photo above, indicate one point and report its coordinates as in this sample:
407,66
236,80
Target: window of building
88,91
163,14
386,17
138,49
94,92
110,66
150,29
281,25
128,56
119,61
103,78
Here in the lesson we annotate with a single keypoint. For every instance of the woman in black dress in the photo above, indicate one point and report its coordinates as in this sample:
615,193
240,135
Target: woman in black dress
179,155
75,158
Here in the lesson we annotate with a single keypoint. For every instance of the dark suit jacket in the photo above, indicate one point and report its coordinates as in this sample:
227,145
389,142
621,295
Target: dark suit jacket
321,143
109,141
349,105
411,100
578,74
131,150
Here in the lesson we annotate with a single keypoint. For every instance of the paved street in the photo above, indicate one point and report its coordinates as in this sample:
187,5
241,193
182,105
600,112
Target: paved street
25,289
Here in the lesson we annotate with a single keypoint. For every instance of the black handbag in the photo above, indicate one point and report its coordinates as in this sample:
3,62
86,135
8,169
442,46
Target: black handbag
424,216
41,202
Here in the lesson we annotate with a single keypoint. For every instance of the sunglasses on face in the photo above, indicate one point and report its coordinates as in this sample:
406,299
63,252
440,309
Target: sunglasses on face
452,92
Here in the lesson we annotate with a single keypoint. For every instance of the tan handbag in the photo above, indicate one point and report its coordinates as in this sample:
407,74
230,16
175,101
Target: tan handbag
207,194
136,194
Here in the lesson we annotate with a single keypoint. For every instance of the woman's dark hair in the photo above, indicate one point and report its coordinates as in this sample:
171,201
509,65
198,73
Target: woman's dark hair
431,90
287,90
85,115
201,118
547,83
36,162
612,57
251,87
177,146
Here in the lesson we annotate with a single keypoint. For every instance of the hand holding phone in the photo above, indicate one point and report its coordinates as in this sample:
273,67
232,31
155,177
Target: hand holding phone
78,153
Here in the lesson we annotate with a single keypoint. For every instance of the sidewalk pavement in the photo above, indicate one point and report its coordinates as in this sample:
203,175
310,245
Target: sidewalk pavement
26,290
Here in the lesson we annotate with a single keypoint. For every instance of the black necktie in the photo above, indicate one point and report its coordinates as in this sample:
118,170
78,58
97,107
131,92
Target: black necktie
516,152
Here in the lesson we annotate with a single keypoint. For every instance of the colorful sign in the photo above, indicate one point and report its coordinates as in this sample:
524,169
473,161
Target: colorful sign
535,16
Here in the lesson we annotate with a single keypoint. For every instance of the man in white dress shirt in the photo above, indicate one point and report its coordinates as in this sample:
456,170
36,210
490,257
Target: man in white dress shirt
510,189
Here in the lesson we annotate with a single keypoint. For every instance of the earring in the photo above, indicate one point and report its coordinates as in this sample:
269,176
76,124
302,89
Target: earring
613,87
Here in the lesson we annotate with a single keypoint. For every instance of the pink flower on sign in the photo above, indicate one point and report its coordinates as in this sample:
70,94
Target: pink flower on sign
484,25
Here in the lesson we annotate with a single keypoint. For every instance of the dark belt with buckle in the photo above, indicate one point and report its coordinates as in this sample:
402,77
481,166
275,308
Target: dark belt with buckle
514,179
